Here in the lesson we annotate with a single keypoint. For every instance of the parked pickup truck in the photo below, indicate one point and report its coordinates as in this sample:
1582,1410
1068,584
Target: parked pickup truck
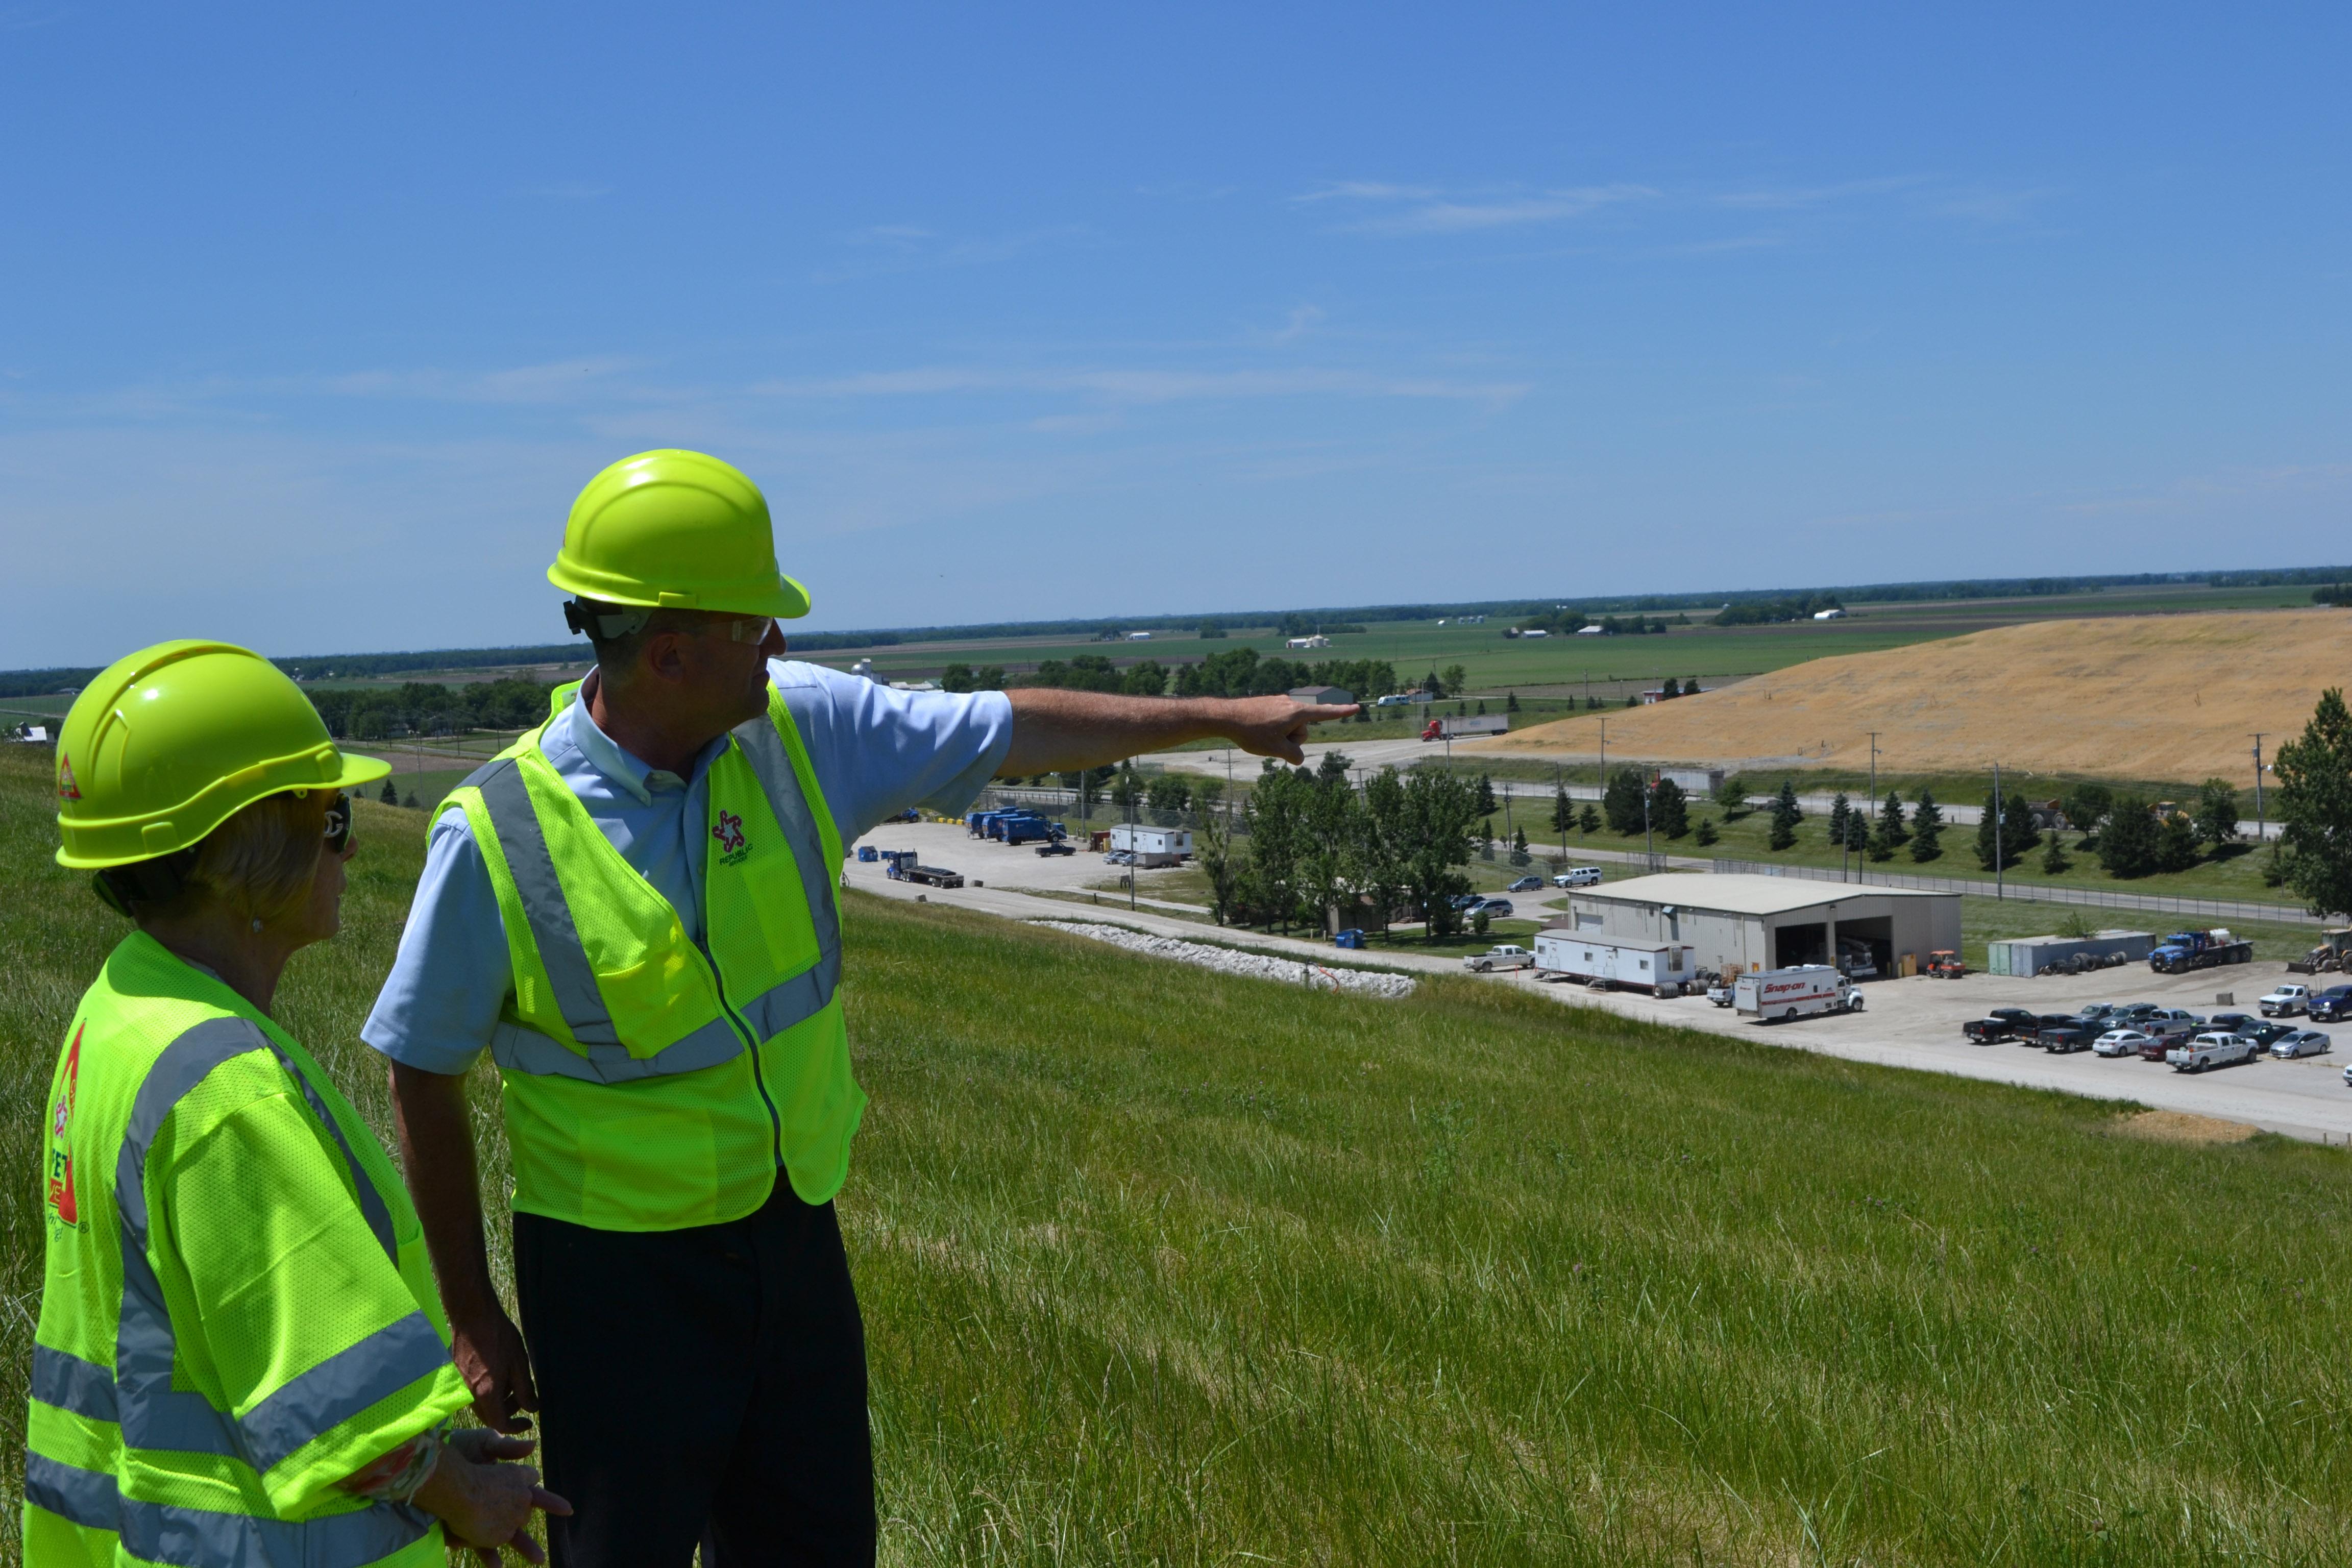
2069,1035
2330,1006
2001,1024
1504,957
2285,1002
2211,1049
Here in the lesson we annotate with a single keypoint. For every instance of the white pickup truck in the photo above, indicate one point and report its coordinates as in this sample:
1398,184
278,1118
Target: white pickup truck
2285,1002
2211,1050
1504,957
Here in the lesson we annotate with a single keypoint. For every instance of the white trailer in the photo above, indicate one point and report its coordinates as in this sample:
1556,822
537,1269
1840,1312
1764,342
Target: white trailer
1804,992
1152,846
1664,969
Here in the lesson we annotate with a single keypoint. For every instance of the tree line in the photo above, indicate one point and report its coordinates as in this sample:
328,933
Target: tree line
1322,852
427,708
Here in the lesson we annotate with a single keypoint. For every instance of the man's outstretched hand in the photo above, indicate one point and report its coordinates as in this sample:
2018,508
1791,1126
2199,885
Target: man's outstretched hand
1277,726
1057,731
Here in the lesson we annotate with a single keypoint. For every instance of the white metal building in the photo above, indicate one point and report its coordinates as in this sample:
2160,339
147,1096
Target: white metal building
1742,922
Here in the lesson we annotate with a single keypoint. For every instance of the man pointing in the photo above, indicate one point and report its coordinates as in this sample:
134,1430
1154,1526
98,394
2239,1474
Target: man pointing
633,909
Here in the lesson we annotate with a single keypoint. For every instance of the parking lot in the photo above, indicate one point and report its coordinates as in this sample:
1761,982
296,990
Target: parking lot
1912,1023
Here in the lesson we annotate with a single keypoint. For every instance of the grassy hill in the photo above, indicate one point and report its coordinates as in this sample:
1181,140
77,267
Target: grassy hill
1162,1267
2155,697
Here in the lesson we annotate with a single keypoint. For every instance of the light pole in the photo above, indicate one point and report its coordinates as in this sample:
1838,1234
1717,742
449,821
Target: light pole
1649,839
2261,827
2000,836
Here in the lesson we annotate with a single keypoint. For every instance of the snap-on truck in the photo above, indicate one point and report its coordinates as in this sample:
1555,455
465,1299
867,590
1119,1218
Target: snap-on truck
1663,969
1777,995
1456,728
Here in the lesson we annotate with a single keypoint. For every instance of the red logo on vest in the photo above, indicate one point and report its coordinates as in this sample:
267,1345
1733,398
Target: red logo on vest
61,1178
729,832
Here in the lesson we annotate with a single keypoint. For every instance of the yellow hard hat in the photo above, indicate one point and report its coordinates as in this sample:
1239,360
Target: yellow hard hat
675,530
167,745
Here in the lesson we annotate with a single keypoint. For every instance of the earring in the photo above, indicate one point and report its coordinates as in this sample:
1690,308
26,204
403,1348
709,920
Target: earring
256,925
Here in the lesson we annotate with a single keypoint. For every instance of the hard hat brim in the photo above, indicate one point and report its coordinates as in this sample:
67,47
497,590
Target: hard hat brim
786,600
355,770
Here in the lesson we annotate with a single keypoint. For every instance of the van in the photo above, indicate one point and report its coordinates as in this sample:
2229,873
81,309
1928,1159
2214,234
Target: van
1577,876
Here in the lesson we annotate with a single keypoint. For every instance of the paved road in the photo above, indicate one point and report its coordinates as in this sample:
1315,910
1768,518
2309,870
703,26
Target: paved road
1910,1024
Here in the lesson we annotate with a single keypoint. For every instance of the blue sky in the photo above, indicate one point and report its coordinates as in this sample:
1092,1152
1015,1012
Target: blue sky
312,321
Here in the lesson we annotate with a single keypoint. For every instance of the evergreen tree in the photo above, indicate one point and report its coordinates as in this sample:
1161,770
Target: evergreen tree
2010,822
1890,815
2216,820
1673,688
1486,840
2054,861
1857,830
1511,701
2127,843
1926,828
1839,811
1588,821
1669,809
1563,813
1488,804
1520,846
2314,808
2176,844
389,796
1707,834
1786,815
1621,801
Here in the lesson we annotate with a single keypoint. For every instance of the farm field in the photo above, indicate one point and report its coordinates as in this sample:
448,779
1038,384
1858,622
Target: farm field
1164,1266
2143,696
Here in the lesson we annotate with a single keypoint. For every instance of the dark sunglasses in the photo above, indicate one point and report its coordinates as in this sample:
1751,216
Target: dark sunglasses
338,824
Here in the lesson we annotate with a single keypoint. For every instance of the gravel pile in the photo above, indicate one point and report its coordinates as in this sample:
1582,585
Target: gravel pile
1256,965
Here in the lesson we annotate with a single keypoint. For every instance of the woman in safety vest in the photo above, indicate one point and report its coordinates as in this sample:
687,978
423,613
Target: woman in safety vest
240,1356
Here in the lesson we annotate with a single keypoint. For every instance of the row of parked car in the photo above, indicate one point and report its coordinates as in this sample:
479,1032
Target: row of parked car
2174,1034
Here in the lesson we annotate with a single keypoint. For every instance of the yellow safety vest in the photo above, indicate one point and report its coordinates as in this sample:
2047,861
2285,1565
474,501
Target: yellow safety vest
653,1083
236,1311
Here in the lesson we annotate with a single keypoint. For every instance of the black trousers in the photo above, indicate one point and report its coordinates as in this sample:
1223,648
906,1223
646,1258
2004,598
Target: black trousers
702,1386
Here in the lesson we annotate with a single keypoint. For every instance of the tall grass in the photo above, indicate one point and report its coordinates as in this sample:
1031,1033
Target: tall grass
1164,1267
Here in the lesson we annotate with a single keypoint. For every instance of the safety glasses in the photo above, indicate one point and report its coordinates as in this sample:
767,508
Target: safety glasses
339,825
741,629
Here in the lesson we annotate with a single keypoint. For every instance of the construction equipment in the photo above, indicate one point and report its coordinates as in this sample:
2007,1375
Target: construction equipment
2328,958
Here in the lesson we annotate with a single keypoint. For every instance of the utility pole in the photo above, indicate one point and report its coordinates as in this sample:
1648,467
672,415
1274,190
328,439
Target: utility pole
2000,836
2261,827
1649,839
1873,773
1134,841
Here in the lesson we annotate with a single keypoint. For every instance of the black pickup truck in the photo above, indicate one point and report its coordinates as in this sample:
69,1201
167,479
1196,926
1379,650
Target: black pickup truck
2060,1033
2001,1024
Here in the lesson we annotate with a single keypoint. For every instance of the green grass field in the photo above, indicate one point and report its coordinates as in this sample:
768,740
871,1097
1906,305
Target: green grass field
1162,1267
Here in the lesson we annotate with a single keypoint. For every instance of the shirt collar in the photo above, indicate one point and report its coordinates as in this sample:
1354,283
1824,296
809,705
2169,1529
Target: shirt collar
608,757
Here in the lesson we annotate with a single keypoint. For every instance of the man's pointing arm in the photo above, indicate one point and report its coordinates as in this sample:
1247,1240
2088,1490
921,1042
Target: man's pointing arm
1056,732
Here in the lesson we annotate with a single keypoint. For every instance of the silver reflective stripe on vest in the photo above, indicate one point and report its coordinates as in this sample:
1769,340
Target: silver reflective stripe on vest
86,1497
518,1048
72,1383
521,838
200,1538
805,994
155,1415
341,1386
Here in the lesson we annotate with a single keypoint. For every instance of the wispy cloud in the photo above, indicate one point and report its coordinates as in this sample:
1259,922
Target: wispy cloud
1791,197
1988,204
564,381
1303,318
1143,386
1416,209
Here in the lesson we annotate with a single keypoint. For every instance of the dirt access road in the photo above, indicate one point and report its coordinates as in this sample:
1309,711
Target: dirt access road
1910,1024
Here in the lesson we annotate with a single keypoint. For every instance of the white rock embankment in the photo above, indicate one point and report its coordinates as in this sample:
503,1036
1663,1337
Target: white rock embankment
1226,960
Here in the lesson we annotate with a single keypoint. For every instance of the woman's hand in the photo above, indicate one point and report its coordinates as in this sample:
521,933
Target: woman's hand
483,1500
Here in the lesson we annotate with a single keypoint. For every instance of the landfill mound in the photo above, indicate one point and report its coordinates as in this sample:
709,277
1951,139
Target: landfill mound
1256,965
2155,698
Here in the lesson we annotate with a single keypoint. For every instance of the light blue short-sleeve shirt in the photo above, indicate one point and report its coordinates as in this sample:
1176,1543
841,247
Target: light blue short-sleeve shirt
877,751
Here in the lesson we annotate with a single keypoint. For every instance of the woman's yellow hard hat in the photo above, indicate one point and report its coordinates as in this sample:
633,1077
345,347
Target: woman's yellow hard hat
169,742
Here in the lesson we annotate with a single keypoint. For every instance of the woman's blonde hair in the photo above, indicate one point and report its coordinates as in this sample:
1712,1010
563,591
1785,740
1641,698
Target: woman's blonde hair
260,863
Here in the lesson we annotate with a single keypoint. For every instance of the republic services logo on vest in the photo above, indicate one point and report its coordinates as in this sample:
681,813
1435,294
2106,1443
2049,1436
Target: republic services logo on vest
60,1171
734,847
